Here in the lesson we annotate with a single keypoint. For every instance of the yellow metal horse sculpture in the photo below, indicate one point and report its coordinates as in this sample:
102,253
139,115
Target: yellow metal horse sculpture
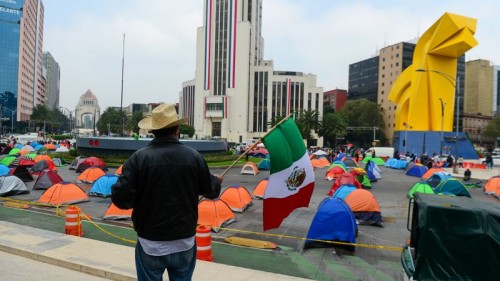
427,86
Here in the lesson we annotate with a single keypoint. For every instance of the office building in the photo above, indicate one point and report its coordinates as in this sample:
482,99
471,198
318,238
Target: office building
236,93
334,99
363,79
21,76
52,80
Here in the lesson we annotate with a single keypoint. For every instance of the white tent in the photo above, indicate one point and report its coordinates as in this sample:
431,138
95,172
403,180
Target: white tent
12,185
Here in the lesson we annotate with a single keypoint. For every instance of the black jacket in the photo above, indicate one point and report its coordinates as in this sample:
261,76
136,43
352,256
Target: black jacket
162,182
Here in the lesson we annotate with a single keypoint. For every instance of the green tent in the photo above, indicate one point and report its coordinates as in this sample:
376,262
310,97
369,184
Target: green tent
452,186
422,187
376,160
13,151
7,160
365,181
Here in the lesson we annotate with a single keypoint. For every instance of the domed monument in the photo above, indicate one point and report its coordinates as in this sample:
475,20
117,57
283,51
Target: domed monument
87,113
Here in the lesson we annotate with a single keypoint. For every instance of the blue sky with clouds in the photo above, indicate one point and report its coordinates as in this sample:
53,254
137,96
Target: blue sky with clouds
321,37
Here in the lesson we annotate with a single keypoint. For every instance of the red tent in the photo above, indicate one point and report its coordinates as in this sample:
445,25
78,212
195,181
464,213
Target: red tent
346,178
91,162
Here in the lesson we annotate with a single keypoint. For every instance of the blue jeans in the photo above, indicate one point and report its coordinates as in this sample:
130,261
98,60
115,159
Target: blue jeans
180,266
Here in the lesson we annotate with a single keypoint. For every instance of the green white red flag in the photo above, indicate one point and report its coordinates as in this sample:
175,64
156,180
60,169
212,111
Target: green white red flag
291,182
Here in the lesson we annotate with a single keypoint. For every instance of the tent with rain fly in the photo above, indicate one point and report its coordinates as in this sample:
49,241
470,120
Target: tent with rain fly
22,173
334,172
90,175
437,178
46,179
249,169
376,160
349,162
431,172
28,148
492,186
417,170
26,161
264,164
421,187
115,213
452,186
390,162
373,171
260,188
59,162
91,162
347,178
344,190
50,146
237,198
102,186
43,165
62,148
63,193
338,163
76,162
12,185
4,170
320,162
365,207
334,221
14,151
214,214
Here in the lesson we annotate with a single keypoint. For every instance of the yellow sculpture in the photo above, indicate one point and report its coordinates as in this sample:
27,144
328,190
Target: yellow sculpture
425,91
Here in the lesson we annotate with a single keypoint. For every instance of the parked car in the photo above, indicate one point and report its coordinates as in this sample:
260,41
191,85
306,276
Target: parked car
496,160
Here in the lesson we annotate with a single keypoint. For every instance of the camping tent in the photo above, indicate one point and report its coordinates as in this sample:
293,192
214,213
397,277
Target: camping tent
43,165
249,169
365,207
334,221
417,170
46,179
350,162
102,186
264,164
115,213
59,162
431,172
119,170
22,173
12,185
492,186
421,187
437,178
91,162
7,160
237,198
320,162
90,175
452,186
344,190
76,162
260,188
63,193
347,178
334,172
4,170
215,214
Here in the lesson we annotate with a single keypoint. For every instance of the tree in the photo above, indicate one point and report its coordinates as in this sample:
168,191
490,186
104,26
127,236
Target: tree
308,122
333,126
363,113
275,120
493,128
186,129
133,121
41,115
110,121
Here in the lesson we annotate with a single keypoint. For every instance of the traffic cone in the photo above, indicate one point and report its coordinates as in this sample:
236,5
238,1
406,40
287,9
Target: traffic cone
73,221
204,243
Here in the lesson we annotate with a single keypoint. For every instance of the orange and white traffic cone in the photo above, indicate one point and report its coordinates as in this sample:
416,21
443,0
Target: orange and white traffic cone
73,221
204,243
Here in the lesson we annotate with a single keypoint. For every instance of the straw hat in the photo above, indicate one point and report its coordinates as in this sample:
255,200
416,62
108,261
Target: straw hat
164,116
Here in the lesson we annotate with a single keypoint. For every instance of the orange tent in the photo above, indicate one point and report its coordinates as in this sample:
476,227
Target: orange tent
115,213
63,193
119,170
492,186
42,157
320,163
90,175
249,169
215,214
260,188
50,146
431,172
365,207
237,198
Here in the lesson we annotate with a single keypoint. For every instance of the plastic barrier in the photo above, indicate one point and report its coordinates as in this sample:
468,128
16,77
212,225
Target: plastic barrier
73,221
204,243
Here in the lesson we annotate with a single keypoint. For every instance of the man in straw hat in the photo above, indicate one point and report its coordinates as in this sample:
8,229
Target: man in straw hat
162,182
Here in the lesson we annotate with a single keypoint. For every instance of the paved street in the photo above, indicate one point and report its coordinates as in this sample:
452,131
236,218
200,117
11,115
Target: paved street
365,263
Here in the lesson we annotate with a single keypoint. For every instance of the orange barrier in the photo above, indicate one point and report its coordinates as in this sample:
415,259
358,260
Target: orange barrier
73,221
204,243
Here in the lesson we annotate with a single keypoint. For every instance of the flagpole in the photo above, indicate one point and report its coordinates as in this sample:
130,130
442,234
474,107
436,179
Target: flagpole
254,145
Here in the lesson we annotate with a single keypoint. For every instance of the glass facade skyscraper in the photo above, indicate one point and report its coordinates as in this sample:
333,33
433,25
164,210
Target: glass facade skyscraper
22,85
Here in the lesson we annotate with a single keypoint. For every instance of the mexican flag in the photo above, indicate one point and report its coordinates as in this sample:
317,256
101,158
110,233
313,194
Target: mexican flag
291,182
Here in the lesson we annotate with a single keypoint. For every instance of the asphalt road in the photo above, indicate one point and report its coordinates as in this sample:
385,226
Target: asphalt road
365,263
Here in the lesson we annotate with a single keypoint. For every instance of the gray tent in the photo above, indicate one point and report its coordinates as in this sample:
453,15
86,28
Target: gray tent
12,185
76,162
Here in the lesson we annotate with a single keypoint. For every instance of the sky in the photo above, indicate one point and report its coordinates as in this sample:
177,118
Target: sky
322,37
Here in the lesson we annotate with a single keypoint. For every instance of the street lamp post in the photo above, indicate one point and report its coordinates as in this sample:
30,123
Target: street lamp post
455,82
443,104
12,112
406,135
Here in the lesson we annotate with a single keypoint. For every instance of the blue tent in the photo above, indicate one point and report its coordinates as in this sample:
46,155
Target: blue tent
390,162
417,171
265,164
34,143
4,170
344,190
452,186
38,147
334,221
437,178
102,186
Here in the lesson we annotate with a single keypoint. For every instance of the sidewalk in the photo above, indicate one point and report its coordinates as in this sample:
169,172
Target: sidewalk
101,259
479,174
